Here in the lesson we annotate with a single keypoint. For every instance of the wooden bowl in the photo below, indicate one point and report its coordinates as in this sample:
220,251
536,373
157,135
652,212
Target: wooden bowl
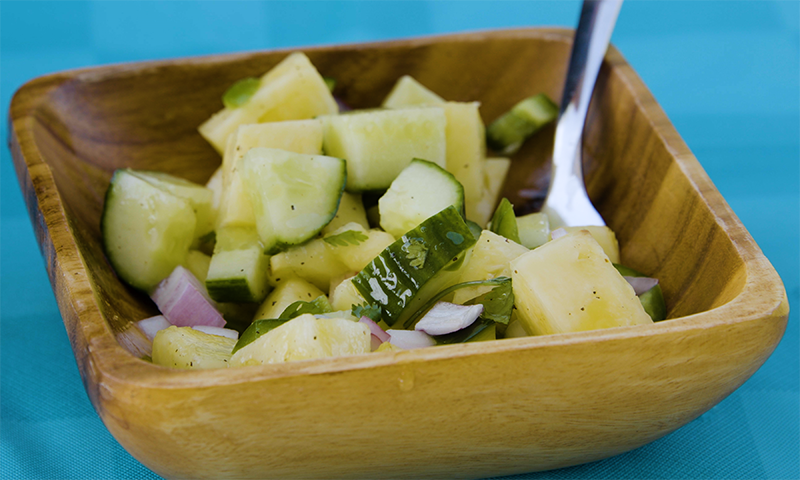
468,410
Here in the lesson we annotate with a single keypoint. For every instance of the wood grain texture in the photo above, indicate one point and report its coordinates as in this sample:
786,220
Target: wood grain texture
460,411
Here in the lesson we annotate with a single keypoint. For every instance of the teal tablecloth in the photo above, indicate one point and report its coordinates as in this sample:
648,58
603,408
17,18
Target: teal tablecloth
726,73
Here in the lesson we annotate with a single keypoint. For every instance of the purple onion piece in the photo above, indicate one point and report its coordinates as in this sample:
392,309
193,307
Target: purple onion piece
375,329
183,300
151,326
447,317
641,284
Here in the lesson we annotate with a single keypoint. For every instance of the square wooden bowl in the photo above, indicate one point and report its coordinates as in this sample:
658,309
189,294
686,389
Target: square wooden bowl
468,410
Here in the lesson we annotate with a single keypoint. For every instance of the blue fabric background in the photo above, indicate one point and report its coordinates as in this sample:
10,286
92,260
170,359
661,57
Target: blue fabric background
726,73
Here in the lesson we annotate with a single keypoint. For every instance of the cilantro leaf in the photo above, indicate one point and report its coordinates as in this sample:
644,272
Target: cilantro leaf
240,92
314,307
416,251
497,303
373,311
465,334
477,283
504,222
348,237
260,327
255,330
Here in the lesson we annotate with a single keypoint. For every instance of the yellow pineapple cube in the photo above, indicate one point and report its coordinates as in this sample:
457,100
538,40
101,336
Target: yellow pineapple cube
570,285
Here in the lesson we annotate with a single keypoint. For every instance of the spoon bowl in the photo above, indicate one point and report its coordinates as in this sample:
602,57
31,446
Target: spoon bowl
567,203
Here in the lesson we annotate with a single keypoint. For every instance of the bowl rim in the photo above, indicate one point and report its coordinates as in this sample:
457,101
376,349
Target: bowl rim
94,344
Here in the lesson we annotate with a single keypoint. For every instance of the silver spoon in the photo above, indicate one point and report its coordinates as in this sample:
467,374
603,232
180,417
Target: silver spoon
567,203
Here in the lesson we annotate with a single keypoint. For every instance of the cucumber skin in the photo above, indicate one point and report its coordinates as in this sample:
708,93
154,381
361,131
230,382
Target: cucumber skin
392,278
119,270
278,240
395,218
652,300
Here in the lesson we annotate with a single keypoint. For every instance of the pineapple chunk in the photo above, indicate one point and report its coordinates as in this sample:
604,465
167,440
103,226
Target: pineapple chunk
388,347
293,90
407,92
345,295
288,291
351,209
570,285
490,259
185,347
306,337
605,237
495,170
299,136
215,185
197,262
466,148
314,262
356,257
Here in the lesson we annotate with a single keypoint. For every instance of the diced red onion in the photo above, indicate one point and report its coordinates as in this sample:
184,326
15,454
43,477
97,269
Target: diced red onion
558,233
151,326
408,339
375,329
343,107
222,332
641,284
447,317
182,299
375,342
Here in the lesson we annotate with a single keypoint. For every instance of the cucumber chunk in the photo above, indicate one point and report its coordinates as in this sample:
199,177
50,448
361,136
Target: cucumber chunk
199,197
239,269
421,190
534,229
397,275
147,232
465,134
378,145
293,195
299,136
652,300
507,133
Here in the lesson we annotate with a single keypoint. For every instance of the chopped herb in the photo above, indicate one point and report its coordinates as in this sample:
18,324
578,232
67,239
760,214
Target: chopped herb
416,252
317,306
465,334
477,283
497,303
259,327
373,311
346,238
255,330
504,222
240,92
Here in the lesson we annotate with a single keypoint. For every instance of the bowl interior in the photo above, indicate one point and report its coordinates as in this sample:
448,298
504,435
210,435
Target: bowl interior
146,116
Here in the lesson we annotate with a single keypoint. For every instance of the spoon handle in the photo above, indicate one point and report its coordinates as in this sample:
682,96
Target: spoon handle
567,202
